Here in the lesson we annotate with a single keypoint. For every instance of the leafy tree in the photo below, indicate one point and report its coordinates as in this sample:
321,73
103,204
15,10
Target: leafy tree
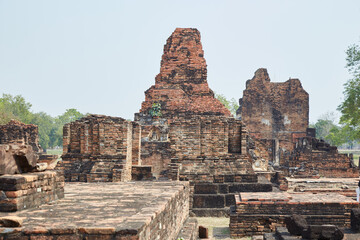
70,115
324,124
16,106
56,135
350,107
5,116
231,104
50,129
45,125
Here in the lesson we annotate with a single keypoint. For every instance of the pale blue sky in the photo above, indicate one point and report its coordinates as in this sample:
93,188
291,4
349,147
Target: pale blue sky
100,56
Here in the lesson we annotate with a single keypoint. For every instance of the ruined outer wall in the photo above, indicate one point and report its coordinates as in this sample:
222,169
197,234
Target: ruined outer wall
274,110
96,135
313,157
181,86
100,148
20,133
258,213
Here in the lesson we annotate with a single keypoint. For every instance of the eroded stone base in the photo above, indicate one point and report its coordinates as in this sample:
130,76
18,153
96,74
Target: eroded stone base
258,213
141,210
212,199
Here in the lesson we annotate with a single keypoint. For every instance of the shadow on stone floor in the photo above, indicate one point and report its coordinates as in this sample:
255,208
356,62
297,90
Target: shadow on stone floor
221,233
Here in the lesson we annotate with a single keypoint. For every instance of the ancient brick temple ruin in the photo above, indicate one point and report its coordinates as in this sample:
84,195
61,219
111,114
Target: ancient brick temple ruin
100,148
181,87
181,132
25,181
191,134
213,164
275,112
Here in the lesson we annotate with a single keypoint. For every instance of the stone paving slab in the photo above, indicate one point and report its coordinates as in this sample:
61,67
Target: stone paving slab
100,208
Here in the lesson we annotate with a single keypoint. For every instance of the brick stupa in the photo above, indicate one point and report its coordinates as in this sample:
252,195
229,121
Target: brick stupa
181,86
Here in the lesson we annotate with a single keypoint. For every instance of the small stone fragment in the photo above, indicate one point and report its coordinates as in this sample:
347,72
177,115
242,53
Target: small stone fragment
11,221
203,232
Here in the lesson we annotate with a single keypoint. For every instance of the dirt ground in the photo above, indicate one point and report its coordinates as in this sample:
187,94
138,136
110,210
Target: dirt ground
218,228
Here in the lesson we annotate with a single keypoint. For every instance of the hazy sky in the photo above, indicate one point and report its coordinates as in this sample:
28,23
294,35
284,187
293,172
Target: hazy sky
100,56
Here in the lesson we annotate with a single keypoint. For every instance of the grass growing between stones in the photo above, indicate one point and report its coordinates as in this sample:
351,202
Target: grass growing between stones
218,227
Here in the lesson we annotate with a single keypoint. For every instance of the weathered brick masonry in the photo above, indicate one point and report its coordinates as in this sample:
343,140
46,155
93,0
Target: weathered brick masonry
187,132
211,152
258,213
124,210
275,112
23,191
16,132
19,147
21,187
313,157
99,148
181,86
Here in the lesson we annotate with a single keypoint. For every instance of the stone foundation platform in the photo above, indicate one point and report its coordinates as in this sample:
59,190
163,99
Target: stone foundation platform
28,190
213,199
131,210
258,213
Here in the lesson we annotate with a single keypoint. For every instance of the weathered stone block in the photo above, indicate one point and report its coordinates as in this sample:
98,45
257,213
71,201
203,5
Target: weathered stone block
325,232
355,219
229,200
209,201
205,188
296,224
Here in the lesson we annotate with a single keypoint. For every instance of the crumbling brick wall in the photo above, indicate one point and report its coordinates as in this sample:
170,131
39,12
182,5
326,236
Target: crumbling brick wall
20,133
314,157
258,213
19,148
99,148
275,111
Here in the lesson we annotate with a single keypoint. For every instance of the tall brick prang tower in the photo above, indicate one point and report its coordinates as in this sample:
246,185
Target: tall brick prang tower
181,86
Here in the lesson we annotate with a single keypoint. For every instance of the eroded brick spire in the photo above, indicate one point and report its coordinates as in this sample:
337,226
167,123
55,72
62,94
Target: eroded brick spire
181,86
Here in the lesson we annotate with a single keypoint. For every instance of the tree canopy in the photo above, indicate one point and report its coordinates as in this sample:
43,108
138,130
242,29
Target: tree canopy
50,128
350,107
231,104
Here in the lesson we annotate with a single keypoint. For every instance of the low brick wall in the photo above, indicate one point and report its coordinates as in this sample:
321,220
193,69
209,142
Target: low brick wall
125,210
258,213
95,168
215,199
23,191
215,180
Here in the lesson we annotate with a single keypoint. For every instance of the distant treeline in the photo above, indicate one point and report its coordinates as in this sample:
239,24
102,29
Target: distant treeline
50,128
